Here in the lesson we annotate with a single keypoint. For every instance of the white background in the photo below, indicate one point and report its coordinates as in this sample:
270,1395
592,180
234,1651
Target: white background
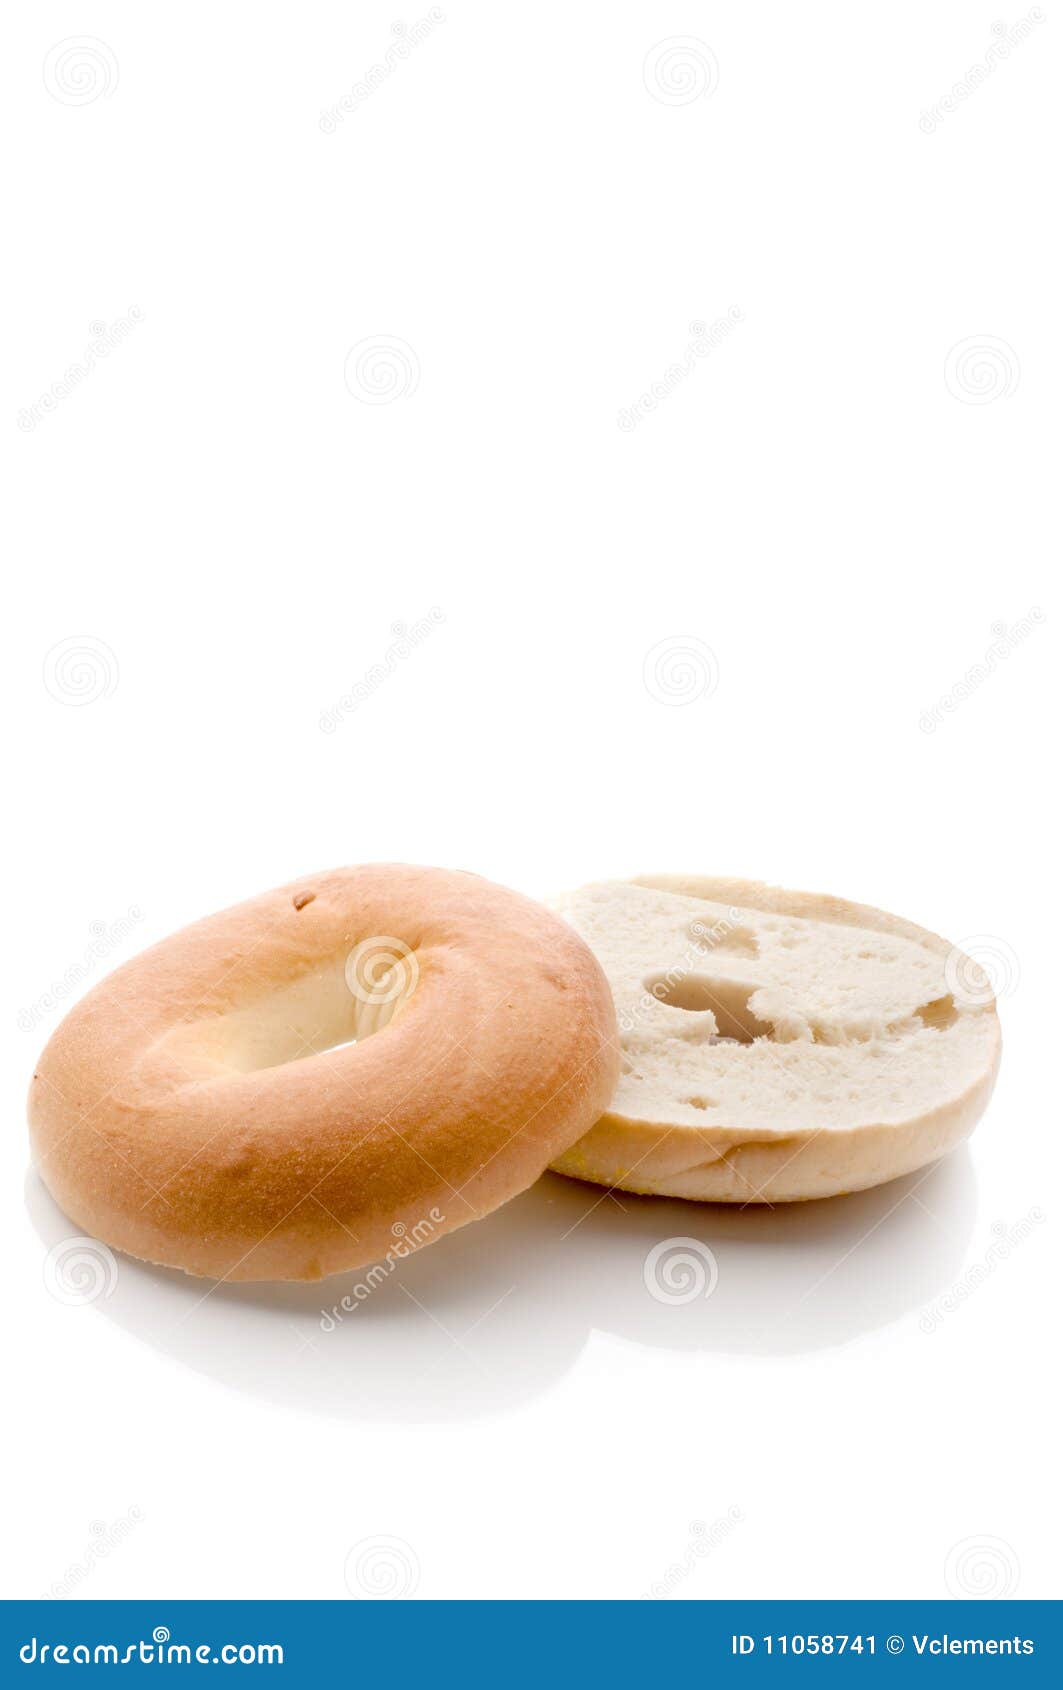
838,501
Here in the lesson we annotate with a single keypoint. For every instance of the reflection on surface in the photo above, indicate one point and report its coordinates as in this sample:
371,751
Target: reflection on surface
497,1312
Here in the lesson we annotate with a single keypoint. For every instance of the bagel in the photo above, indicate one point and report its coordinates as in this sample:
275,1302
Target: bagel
777,1045
193,1109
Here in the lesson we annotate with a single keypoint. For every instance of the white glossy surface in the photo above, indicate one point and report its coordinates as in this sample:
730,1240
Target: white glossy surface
812,503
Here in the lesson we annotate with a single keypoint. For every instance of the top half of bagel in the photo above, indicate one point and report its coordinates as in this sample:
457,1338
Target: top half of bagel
295,1085
777,1045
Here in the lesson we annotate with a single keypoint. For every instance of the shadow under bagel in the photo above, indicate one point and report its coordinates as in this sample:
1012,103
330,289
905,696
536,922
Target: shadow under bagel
496,1313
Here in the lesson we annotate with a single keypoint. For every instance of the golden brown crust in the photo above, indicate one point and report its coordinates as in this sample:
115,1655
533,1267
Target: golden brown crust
160,1128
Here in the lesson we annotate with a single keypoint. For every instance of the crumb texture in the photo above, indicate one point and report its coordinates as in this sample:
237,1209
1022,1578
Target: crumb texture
773,1023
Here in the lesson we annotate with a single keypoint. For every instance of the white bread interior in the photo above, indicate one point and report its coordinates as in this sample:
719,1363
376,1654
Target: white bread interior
777,1046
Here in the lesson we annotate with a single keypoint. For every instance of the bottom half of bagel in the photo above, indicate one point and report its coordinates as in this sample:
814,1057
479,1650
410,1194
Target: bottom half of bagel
777,1046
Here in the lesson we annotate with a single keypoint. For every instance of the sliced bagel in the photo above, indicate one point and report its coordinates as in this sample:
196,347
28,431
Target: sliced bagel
777,1045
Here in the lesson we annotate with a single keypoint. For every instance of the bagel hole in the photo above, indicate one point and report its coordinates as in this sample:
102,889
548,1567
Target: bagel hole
728,1001
316,1014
